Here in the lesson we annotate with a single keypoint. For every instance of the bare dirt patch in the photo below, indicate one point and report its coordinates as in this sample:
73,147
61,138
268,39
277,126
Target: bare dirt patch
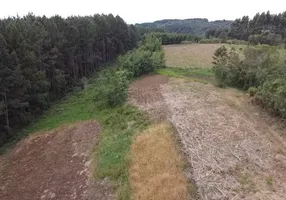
53,165
145,93
190,55
155,172
231,154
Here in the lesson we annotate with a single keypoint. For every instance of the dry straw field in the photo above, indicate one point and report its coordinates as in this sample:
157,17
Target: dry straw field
190,55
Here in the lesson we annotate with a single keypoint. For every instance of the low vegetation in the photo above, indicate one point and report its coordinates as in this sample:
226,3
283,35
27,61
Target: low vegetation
261,71
143,60
204,75
265,38
224,41
156,168
118,124
211,41
103,100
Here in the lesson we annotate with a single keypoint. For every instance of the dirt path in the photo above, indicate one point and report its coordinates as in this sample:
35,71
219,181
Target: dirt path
234,152
53,165
146,94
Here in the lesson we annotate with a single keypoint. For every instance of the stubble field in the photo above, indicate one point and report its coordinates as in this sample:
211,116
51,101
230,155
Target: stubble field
232,149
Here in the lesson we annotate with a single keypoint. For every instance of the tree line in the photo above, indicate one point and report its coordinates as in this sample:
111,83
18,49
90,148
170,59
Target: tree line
264,28
261,70
176,38
42,59
113,83
196,26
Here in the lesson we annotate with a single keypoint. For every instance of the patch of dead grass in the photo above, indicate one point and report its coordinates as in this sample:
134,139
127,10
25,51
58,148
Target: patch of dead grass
156,168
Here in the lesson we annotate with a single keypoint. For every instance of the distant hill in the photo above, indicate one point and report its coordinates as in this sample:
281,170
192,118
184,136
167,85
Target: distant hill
197,26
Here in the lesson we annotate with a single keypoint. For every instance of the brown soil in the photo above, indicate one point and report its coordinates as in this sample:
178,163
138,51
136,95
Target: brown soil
145,93
53,165
150,81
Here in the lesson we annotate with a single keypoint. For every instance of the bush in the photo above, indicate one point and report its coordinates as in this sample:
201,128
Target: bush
265,38
145,59
238,42
113,83
211,41
252,91
272,94
188,42
112,88
137,63
175,38
250,71
259,71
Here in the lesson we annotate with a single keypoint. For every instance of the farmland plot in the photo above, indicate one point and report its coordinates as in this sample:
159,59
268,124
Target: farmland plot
190,55
234,149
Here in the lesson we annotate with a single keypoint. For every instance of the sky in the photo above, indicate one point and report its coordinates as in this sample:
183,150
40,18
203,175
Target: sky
134,11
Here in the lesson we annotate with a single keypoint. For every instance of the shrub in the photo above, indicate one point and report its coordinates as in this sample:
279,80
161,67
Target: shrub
113,84
158,59
145,59
112,88
250,71
259,71
238,42
175,38
252,91
210,41
265,38
137,63
272,94
188,42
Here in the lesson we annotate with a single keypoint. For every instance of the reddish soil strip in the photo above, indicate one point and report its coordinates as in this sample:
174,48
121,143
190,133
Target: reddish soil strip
53,165
145,93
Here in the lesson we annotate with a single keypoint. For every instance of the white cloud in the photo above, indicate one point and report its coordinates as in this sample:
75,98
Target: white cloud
144,10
